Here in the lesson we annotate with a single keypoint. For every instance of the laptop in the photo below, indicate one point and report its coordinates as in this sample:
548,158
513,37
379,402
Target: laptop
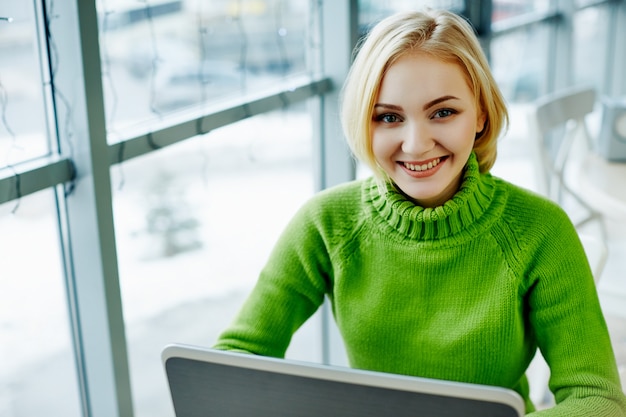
212,383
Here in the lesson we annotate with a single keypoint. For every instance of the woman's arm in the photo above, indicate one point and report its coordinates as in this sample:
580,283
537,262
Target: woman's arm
571,332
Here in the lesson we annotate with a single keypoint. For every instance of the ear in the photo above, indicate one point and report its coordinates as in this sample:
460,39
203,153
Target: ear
480,123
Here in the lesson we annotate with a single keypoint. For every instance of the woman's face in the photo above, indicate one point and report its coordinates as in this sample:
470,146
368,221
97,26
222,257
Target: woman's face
423,127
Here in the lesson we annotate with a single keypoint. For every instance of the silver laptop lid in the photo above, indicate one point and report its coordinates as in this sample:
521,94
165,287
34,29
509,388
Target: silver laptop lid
206,382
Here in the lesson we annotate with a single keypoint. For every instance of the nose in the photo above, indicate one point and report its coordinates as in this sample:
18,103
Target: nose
418,139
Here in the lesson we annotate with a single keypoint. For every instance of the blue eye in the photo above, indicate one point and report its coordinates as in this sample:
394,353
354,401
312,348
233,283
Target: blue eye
388,118
439,114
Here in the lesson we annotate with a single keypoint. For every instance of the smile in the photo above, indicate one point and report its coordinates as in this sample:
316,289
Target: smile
422,167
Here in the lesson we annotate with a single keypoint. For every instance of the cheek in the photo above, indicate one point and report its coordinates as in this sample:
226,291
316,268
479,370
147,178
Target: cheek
466,134
380,145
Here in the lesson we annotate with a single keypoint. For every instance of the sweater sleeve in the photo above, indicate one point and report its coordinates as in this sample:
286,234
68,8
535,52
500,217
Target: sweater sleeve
290,288
571,332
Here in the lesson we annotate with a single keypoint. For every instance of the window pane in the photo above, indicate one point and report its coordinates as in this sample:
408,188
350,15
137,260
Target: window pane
21,103
519,63
194,225
583,3
37,375
374,10
371,11
163,56
591,35
505,9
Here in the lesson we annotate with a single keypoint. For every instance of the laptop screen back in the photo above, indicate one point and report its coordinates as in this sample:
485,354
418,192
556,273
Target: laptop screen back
205,382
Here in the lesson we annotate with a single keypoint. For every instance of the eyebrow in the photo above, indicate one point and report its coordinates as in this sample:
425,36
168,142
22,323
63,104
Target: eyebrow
425,107
437,101
388,106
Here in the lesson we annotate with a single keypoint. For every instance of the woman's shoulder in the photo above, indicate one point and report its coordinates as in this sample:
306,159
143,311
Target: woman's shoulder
528,211
347,194
526,201
345,188
332,215
534,231
336,203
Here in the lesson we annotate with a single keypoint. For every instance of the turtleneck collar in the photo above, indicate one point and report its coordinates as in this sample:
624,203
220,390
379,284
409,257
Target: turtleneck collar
455,215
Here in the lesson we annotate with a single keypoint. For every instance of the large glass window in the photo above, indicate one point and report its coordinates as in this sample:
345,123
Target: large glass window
22,118
591,46
194,226
163,56
519,64
506,9
38,374
195,222
371,11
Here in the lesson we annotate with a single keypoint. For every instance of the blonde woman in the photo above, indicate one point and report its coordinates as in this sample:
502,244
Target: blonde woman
434,267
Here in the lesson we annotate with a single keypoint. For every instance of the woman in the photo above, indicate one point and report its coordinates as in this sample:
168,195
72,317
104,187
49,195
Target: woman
434,267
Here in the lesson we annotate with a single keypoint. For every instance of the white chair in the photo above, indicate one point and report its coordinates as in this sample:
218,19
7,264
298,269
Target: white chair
562,141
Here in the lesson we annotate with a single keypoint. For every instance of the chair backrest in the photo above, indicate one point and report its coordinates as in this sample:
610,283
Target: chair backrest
557,119
557,109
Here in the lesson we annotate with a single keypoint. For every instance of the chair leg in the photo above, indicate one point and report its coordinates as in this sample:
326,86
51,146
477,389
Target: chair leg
593,215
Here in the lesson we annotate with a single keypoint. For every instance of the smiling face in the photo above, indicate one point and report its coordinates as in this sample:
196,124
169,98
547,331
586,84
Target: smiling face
423,128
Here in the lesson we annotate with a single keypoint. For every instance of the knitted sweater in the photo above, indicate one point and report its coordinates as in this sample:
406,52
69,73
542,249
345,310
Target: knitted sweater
466,291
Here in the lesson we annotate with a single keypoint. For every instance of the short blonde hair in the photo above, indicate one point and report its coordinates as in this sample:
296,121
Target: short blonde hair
441,34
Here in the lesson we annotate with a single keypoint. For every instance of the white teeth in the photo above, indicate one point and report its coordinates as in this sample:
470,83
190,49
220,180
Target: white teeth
423,167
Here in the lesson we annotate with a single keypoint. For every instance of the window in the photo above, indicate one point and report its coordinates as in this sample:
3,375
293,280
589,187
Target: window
591,40
22,119
161,57
194,226
163,64
38,373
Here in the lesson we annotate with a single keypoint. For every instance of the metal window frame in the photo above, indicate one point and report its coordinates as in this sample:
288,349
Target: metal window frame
334,159
30,177
85,216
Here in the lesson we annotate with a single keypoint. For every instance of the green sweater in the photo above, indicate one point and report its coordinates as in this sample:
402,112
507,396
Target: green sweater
466,291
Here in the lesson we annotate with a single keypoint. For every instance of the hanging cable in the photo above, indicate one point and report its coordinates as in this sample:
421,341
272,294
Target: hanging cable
18,189
156,59
106,65
202,46
243,47
7,127
4,102
280,34
57,95
313,37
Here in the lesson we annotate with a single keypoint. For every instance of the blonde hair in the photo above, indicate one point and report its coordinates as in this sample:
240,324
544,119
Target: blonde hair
441,34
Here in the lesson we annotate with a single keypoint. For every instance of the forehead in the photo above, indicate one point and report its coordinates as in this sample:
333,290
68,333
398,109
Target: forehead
424,76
